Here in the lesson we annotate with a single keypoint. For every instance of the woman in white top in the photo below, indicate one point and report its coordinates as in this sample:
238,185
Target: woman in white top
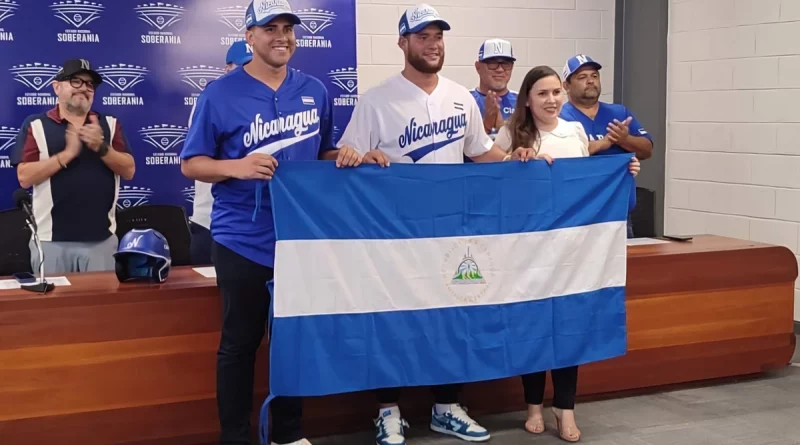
535,124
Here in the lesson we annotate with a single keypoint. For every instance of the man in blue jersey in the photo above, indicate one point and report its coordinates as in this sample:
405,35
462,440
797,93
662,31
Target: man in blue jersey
244,124
611,128
200,223
494,66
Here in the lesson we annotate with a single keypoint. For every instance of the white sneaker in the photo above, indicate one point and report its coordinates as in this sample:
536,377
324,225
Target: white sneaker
457,423
389,427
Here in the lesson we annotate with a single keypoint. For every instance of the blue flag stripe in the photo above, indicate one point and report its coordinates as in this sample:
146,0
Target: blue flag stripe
354,352
428,201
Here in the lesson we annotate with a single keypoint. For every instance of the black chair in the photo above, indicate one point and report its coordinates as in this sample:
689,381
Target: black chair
170,220
15,255
644,215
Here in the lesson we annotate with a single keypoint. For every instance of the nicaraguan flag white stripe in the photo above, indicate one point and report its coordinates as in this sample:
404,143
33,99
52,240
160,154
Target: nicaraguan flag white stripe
580,259
431,274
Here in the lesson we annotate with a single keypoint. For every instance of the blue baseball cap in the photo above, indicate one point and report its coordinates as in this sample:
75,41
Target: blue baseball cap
577,62
416,18
261,12
239,53
496,48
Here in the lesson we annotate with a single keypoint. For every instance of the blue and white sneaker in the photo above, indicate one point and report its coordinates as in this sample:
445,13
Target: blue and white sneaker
457,423
389,428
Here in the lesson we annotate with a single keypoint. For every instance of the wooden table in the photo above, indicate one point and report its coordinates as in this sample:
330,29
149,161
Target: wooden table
103,363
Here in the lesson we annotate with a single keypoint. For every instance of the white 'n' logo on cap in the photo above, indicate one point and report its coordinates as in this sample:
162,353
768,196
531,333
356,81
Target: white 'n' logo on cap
581,58
85,65
498,48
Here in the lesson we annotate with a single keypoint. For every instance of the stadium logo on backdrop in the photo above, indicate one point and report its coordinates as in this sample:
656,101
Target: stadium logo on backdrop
164,137
78,13
37,77
160,16
233,18
8,136
347,80
130,196
122,78
464,268
314,21
7,9
198,76
188,194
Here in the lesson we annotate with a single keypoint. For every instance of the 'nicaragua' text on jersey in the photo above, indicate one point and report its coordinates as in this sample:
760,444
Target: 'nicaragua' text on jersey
411,126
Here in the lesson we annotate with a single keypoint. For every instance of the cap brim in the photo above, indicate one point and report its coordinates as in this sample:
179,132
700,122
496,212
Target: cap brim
240,60
511,58
293,19
594,65
442,24
97,79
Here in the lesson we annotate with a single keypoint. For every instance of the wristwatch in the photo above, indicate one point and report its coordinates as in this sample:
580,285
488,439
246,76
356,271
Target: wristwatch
103,150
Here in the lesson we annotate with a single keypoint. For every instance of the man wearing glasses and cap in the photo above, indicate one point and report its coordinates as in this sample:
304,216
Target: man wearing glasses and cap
73,158
611,128
494,66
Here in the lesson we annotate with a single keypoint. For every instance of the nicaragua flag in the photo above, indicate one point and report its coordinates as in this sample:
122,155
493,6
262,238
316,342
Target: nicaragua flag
433,274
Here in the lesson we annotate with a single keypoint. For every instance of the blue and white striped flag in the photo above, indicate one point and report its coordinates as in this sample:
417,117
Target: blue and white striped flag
433,274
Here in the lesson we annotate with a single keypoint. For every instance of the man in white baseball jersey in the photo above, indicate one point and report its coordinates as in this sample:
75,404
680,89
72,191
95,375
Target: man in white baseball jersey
417,116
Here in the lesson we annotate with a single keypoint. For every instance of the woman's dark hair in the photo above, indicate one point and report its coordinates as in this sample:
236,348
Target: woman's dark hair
521,125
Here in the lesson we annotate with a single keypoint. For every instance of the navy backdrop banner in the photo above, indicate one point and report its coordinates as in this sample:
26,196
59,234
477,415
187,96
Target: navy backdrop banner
156,58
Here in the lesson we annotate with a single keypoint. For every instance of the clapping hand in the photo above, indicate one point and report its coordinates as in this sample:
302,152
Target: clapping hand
92,134
618,131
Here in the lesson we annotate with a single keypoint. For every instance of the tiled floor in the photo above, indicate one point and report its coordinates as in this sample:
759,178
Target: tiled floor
765,411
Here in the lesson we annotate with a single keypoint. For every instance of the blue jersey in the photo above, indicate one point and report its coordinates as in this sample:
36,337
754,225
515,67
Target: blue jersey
597,128
238,115
507,103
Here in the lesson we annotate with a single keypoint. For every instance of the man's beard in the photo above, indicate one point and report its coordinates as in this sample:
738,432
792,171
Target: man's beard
73,106
423,66
589,95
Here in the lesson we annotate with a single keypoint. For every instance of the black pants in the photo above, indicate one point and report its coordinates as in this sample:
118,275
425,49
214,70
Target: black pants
565,385
443,394
200,247
245,305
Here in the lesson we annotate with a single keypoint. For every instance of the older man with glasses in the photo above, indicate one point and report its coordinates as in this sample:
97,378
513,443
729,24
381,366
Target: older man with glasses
74,157
494,66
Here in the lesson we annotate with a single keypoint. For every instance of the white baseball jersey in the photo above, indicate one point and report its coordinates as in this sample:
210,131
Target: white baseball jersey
410,126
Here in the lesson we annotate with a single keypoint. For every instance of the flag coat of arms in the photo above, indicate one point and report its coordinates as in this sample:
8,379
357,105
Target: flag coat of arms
433,274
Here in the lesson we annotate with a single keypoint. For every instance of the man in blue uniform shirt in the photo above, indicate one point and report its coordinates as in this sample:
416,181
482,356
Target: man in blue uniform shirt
244,124
494,66
611,128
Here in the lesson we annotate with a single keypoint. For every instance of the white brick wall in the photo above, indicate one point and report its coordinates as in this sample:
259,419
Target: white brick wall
733,142
543,32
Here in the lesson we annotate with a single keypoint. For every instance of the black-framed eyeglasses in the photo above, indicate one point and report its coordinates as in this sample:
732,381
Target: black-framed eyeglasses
506,64
77,82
